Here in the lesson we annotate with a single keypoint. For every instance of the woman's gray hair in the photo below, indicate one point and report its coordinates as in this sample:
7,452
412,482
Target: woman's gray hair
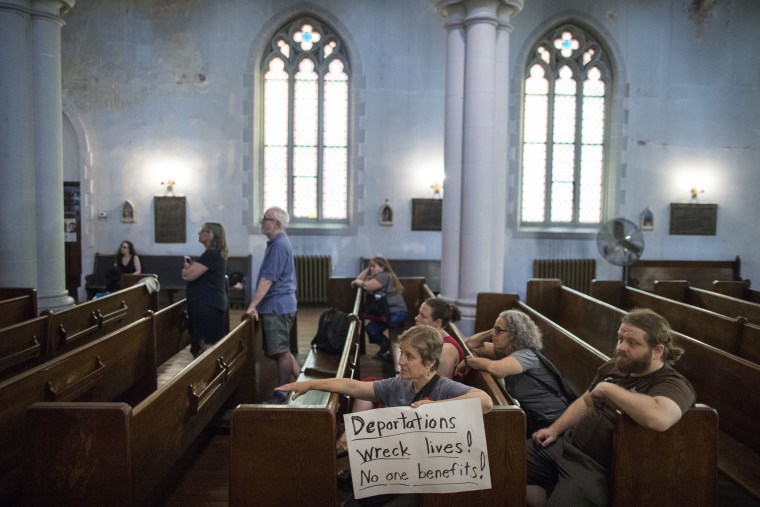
428,342
522,330
280,215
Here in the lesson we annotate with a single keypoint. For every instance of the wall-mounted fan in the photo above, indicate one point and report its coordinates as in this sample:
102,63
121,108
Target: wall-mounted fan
620,242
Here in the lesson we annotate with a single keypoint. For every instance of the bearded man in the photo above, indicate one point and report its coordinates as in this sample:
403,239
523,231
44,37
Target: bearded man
568,462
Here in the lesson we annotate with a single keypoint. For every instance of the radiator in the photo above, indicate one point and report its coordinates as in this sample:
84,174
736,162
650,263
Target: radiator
312,274
574,273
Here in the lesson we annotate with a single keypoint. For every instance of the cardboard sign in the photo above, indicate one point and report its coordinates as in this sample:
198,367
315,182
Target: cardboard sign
437,448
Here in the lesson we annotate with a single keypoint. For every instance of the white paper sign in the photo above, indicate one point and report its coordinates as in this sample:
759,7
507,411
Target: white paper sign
437,448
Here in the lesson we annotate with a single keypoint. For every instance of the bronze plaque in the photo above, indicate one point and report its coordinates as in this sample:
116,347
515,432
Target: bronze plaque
170,219
693,219
426,214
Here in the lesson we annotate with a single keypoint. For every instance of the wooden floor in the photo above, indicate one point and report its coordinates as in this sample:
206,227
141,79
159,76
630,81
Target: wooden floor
205,477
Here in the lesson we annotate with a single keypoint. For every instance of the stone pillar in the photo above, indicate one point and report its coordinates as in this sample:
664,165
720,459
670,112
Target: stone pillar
473,242
34,29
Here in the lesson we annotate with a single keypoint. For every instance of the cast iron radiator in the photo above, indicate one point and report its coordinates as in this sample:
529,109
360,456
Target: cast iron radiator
312,274
574,273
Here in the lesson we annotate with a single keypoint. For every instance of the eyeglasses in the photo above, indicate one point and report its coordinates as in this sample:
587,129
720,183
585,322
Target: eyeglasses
497,330
267,219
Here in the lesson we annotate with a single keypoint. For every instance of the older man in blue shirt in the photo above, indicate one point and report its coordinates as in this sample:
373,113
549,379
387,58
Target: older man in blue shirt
274,302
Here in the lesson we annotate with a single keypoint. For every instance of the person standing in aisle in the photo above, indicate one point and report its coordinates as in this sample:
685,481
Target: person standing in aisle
274,301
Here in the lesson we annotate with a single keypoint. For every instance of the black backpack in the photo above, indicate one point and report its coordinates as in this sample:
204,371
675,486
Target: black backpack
331,332
566,392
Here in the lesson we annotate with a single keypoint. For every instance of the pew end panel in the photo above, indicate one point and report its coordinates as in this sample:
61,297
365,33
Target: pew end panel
91,442
543,295
488,307
738,289
261,433
171,330
674,467
505,440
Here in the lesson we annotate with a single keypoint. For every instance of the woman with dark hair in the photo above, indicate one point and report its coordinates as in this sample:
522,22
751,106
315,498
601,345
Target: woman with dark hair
126,261
508,351
439,314
379,280
206,294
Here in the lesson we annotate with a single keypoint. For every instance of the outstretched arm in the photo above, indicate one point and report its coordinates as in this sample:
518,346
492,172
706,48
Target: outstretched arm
486,403
353,388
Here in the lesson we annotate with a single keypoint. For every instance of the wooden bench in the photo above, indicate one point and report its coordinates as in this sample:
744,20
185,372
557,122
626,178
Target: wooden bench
643,273
168,269
730,334
132,447
429,269
738,289
40,339
17,305
117,366
638,454
682,291
723,381
272,444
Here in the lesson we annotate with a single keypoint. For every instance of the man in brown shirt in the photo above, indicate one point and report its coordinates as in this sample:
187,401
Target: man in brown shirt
568,462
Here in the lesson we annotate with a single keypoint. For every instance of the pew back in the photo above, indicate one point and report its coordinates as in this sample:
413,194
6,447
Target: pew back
131,448
23,346
17,305
643,273
117,366
680,290
738,289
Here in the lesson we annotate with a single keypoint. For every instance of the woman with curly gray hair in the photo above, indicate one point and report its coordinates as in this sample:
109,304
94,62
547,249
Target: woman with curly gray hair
508,351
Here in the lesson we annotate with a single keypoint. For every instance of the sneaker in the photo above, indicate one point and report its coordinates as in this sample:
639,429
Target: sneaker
278,398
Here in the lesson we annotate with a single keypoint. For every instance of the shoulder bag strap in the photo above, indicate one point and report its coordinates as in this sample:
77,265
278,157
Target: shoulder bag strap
426,389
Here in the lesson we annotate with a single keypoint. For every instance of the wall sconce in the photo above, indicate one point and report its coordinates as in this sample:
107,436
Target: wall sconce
695,192
437,187
169,183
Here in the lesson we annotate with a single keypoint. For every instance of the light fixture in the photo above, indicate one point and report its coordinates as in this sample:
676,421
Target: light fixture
695,192
169,183
437,187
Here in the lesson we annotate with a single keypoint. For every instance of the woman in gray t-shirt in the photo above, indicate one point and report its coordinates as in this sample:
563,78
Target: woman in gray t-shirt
508,351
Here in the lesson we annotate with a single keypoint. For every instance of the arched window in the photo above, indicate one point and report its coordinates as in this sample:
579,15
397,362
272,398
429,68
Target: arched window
305,124
566,97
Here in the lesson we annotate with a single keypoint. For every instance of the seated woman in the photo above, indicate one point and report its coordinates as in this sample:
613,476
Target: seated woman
126,261
420,356
507,351
379,280
435,313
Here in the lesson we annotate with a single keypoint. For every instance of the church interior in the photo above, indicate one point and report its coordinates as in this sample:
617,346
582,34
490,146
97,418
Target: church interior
483,145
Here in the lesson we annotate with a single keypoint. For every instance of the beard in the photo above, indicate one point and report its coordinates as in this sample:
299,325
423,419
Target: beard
632,366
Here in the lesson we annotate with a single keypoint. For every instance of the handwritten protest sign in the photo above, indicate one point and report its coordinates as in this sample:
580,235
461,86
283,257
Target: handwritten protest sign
437,448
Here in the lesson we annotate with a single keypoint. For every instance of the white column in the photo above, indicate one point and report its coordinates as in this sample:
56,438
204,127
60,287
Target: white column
452,184
18,252
48,132
474,241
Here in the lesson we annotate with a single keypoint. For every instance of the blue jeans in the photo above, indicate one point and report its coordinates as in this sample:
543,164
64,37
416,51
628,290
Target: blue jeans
375,330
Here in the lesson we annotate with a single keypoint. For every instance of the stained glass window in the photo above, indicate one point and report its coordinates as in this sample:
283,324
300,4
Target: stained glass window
565,106
305,124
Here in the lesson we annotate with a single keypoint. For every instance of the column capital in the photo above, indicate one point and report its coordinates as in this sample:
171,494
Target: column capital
460,9
38,7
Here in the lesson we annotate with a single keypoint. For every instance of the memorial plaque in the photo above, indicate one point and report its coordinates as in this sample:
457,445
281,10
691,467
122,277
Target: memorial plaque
426,214
169,219
693,219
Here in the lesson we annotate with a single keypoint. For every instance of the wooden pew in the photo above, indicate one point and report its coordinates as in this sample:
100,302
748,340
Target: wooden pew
720,331
632,444
268,447
738,289
681,290
132,447
172,334
17,305
120,365
643,273
722,380
35,341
